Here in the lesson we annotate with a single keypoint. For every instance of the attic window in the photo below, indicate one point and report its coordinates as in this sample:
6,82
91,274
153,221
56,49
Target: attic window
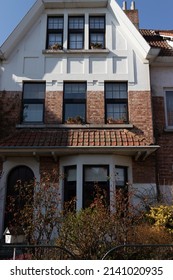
97,32
75,32
55,27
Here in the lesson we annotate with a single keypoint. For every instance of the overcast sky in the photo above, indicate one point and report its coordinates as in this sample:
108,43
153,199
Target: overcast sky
153,14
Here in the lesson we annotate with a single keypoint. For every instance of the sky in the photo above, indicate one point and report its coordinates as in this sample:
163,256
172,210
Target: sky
153,14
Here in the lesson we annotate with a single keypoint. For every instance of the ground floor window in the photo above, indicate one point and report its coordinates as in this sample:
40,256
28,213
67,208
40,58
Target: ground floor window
70,186
95,182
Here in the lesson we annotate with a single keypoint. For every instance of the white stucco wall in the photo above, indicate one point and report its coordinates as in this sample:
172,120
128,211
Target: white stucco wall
122,62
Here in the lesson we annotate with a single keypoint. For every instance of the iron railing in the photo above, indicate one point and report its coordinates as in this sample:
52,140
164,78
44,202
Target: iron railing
140,252
121,252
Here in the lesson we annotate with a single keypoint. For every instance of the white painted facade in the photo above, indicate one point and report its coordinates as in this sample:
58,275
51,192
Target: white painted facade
124,58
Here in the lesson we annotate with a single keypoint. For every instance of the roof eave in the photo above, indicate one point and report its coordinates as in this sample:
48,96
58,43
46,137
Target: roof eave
137,151
75,4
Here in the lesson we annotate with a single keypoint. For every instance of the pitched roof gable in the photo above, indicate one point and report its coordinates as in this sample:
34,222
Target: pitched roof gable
33,14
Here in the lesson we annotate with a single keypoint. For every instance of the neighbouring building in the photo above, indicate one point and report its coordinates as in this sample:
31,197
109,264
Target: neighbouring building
76,95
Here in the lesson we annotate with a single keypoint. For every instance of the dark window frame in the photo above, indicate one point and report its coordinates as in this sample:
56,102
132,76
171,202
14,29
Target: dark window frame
168,108
69,186
104,185
56,31
33,101
114,101
73,101
97,31
76,31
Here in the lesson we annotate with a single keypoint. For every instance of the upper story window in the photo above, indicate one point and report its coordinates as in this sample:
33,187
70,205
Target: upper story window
97,32
74,102
55,27
116,102
75,32
169,108
33,102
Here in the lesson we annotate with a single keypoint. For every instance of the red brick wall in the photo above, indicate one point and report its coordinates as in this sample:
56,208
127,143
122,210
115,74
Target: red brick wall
95,107
53,107
144,171
133,16
10,110
165,141
140,113
49,168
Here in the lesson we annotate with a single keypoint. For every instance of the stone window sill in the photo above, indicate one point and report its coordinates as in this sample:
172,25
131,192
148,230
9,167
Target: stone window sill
86,51
83,126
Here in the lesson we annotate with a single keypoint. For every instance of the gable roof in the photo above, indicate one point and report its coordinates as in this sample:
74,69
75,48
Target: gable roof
36,10
159,39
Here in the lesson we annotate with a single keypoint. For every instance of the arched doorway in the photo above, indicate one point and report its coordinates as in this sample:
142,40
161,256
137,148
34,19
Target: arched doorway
19,186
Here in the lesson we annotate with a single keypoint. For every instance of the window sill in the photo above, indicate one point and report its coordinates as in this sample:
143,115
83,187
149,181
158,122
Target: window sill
168,129
83,51
98,126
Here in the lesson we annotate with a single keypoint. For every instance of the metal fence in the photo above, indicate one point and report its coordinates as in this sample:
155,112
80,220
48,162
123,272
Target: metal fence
140,252
121,252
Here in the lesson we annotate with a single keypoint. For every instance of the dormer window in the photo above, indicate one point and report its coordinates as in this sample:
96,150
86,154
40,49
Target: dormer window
76,32
97,32
55,28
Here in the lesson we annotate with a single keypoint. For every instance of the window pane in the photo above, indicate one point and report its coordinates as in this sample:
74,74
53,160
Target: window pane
54,39
97,22
117,111
97,38
76,23
34,90
55,23
33,113
75,91
169,106
76,41
96,174
74,110
116,90
71,174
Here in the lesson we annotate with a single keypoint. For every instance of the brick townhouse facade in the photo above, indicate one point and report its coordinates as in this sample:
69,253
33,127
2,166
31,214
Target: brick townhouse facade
77,92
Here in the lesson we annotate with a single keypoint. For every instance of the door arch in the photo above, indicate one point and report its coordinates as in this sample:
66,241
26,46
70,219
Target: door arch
17,178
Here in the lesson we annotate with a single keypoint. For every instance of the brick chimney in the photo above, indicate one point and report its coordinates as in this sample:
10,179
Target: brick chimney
132,13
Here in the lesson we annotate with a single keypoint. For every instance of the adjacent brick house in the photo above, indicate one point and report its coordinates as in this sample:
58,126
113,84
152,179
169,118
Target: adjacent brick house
76,96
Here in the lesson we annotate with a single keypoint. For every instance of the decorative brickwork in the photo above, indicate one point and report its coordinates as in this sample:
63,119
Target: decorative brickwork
95,107
53,107
140,113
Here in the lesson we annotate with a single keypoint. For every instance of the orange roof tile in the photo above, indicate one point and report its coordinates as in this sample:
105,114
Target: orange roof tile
157,39
73,138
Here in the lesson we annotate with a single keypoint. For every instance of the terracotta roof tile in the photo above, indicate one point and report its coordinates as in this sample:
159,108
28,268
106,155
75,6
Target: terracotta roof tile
157,39
74,138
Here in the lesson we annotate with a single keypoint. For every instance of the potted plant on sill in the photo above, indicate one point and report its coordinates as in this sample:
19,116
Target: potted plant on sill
116,121
74,120
96,46
55,47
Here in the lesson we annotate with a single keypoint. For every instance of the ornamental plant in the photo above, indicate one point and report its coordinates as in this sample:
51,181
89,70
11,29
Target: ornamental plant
162,216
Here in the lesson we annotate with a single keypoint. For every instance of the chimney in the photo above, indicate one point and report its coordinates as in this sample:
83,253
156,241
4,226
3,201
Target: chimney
132,13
